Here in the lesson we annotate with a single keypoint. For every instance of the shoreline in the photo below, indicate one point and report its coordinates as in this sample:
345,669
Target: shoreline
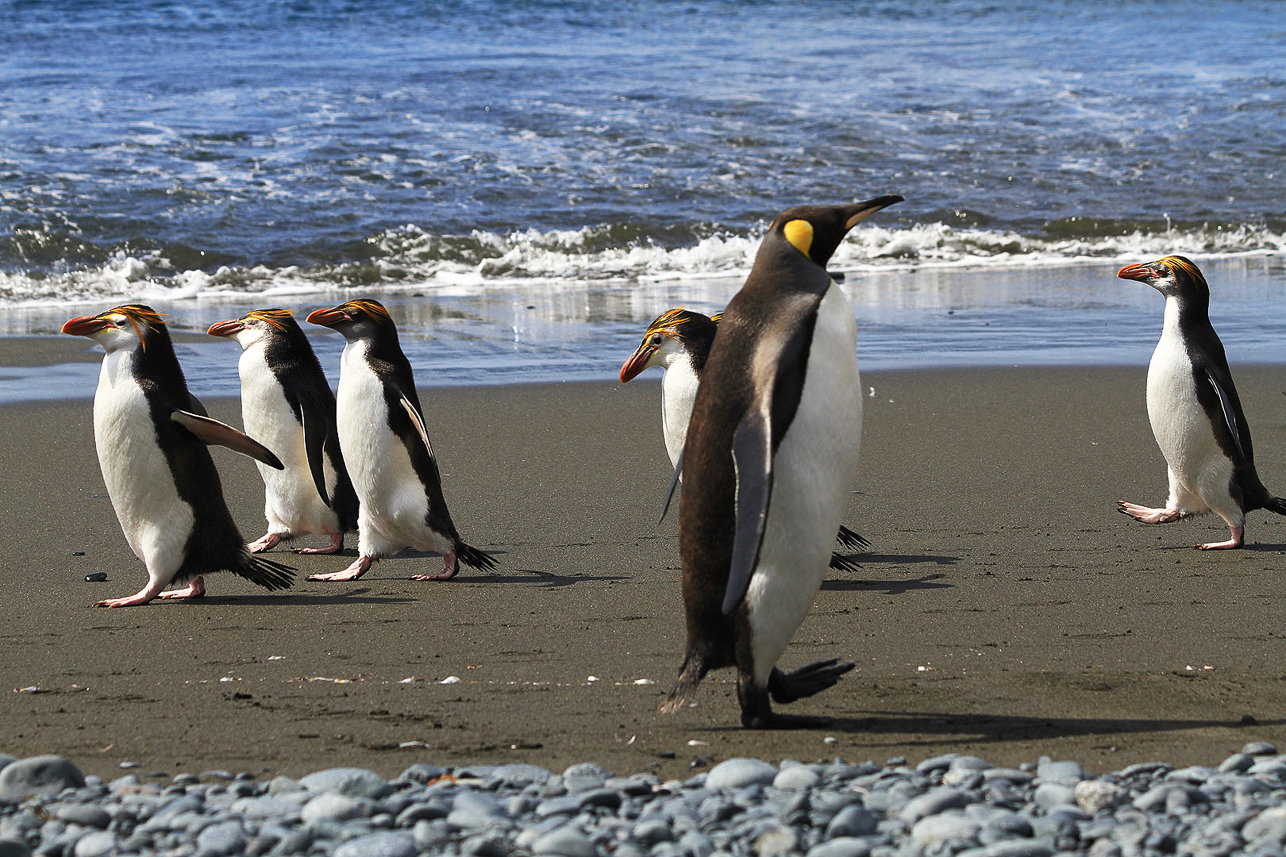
1005,608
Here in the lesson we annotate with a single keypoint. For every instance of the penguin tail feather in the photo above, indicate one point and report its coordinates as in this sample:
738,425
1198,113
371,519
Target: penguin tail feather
851,539
690,675
265,572
1276,504
474,558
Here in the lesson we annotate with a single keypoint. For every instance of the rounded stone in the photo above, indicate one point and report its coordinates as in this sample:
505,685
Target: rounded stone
350,782
224,838
382,844
796,777
844,846
739,773
329,806
45,776
933,802
565,842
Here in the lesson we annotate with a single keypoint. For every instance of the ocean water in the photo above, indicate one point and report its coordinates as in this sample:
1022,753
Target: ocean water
527,184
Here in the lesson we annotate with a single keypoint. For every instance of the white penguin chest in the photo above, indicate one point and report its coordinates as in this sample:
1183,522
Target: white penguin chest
135,469
1179,422
678,392
812,473
290,494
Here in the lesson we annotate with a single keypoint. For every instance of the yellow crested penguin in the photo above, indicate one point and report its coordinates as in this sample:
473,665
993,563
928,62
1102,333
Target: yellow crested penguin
287,404
770,452
1195,412
151,435
387,449
679,340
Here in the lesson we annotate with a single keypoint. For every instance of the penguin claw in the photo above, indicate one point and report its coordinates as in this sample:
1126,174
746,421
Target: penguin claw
445,574
359,567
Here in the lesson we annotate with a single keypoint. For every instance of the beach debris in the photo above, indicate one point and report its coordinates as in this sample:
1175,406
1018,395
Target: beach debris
451,679
96,577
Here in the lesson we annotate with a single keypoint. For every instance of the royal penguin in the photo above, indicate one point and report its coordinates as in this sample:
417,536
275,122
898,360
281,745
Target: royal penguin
1195,413
387,449
678,341
287,404
151,435
767,463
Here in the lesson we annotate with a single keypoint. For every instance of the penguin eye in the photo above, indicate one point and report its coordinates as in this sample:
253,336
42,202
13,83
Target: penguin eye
654,340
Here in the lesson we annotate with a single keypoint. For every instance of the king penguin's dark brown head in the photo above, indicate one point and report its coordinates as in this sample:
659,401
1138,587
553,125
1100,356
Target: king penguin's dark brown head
817,230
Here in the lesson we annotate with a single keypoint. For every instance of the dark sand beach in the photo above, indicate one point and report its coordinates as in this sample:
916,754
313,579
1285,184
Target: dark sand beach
1005,609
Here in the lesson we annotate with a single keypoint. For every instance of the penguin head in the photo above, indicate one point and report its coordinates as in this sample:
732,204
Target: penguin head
125,328
356,319
255,327
672,335
1173,276
817,230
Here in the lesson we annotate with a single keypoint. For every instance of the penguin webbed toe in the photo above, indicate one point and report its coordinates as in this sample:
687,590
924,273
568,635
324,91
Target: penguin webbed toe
810,679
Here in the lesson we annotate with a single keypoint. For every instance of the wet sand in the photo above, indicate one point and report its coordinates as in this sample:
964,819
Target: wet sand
1005,608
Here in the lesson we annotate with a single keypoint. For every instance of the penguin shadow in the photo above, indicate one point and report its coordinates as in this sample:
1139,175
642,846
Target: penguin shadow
891,587
297,597
937,728
546,579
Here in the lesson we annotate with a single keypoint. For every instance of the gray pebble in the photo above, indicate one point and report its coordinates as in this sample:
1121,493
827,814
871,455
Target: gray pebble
85,814
852,820
381,844
739,773
350,782
1259,748
220,840
796,777
585,776
948,829
844,846
330,806
565,842
39,775
933,802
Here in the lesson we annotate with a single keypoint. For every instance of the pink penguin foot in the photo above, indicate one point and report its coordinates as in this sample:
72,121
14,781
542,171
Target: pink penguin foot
267,541
359,567
195,589
446,573
1147,514
1236,537
144,595
336,543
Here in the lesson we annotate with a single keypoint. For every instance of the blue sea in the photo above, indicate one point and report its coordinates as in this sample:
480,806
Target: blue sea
527,184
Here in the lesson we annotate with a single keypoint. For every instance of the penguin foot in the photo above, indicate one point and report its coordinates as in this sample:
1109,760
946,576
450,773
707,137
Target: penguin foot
359,567
756,711
336,544
446,573
1147,514
144,595
195,589
267,541
1236,534
805,681
773,720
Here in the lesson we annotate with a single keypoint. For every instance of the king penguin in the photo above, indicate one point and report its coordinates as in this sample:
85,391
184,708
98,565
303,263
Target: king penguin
1195,413
151,435
387,448
287,404
773,442
679,340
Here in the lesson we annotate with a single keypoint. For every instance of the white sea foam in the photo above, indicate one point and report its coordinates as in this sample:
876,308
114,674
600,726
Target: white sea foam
411,258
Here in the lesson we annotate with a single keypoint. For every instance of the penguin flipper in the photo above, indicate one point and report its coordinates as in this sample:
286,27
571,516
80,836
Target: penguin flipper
752,460
1229,414
212,431
674,483
314,441
418,422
